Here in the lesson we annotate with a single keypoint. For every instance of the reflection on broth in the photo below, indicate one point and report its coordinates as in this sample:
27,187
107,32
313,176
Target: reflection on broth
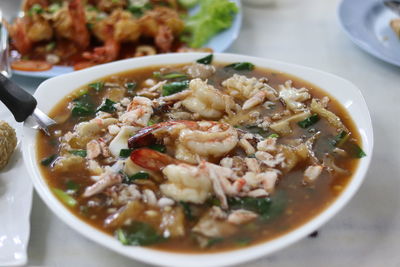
201,157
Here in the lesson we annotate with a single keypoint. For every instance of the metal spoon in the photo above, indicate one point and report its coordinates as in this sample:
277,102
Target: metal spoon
23,105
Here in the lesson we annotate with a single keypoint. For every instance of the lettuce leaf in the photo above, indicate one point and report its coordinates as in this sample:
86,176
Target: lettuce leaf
213,17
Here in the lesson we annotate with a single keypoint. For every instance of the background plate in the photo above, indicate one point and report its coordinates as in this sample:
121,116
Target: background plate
15,203
367,24
218,43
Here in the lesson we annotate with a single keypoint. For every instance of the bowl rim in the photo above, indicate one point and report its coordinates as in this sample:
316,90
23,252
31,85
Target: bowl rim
355,103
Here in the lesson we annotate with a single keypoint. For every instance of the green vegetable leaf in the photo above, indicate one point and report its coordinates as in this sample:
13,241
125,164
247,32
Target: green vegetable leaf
139,9
140,175
36,9
50,46
107,106
54,7
98,86
83,106
137,176
258,205
49,160
188,3
313,119
79,152
170,76
340,139
64,197
206,60
124,153
174,87
267,208
187,210
243,241
138,234
213,17
274,135
72,186
158,147
131,86
356,151
241,66
213,241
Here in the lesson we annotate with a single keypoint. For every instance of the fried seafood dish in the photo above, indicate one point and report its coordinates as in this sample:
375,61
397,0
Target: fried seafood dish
199,157
83,33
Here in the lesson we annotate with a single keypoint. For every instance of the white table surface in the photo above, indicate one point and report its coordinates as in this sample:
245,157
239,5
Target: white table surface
367,231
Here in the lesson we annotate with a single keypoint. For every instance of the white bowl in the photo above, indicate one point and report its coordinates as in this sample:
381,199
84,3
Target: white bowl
53,90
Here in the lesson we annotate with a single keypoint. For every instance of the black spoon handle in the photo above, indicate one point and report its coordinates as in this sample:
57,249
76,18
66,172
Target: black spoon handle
18,101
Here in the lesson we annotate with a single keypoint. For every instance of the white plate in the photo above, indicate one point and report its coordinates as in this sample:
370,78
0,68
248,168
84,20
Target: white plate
344,91
218,43
15,203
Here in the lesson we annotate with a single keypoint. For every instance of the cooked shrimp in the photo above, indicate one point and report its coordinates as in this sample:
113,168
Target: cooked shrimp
250,90
206,100
103,54
81,35
19,36
107,179
162,24
138,112
192,139
151,159
241,216
186,183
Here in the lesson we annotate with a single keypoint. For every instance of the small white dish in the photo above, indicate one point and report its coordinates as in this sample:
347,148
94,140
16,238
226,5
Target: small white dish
218,44
57,88
15,203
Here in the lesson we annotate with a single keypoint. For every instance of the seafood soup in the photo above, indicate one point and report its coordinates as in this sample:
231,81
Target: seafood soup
200,157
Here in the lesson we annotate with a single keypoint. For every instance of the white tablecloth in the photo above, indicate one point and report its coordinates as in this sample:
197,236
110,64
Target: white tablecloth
367,231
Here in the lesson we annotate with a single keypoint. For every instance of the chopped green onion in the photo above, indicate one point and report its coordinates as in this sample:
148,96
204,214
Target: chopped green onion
65,198
174,87
251,156
107,106
122,237
79,152
49,160
158,147
169,76
274,135
124,153
240,66
97,86
206,60
313,119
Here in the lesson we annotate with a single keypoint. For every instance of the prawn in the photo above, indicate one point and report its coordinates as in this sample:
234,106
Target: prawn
81,33
192,138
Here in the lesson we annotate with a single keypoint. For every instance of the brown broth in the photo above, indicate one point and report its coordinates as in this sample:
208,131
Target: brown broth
302,202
